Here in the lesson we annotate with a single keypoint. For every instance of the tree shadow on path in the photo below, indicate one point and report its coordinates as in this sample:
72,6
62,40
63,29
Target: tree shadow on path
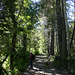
39,68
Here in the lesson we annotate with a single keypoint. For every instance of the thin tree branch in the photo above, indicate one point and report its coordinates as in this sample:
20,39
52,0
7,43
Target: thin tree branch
72,36
4,59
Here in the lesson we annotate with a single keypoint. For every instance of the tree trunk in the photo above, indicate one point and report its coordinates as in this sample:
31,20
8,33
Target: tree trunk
59,26
12,53
48,42
61,31
64,41
24,40
13,44
52,42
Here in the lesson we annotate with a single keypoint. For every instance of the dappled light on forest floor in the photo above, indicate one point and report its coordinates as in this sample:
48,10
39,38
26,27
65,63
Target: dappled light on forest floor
39,68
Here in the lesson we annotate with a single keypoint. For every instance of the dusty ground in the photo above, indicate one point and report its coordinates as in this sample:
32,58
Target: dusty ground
39,68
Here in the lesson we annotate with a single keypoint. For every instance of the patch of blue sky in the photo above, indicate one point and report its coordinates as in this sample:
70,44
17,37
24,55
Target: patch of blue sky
70,9
35,1
1,6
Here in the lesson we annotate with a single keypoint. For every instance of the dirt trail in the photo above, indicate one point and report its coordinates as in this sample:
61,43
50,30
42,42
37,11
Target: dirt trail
39,68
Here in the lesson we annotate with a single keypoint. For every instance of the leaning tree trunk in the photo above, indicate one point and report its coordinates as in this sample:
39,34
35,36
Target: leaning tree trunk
72,36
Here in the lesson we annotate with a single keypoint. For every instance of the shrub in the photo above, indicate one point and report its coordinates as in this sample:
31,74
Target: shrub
57,64
36,52
21,60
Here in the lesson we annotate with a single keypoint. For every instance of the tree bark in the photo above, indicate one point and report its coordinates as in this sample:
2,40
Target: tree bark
48,43
64,41
59,26
52,42
61,31
13,46
13,52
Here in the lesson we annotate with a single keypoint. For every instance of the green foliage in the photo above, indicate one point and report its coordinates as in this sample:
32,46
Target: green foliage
72,65
57,64
16,18
1,71
6,64
21,59
51,58
36,52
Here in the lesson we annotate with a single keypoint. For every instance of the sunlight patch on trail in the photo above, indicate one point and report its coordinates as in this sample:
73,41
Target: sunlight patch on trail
35,68
52,69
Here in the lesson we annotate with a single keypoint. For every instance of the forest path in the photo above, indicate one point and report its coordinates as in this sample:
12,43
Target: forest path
39,67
